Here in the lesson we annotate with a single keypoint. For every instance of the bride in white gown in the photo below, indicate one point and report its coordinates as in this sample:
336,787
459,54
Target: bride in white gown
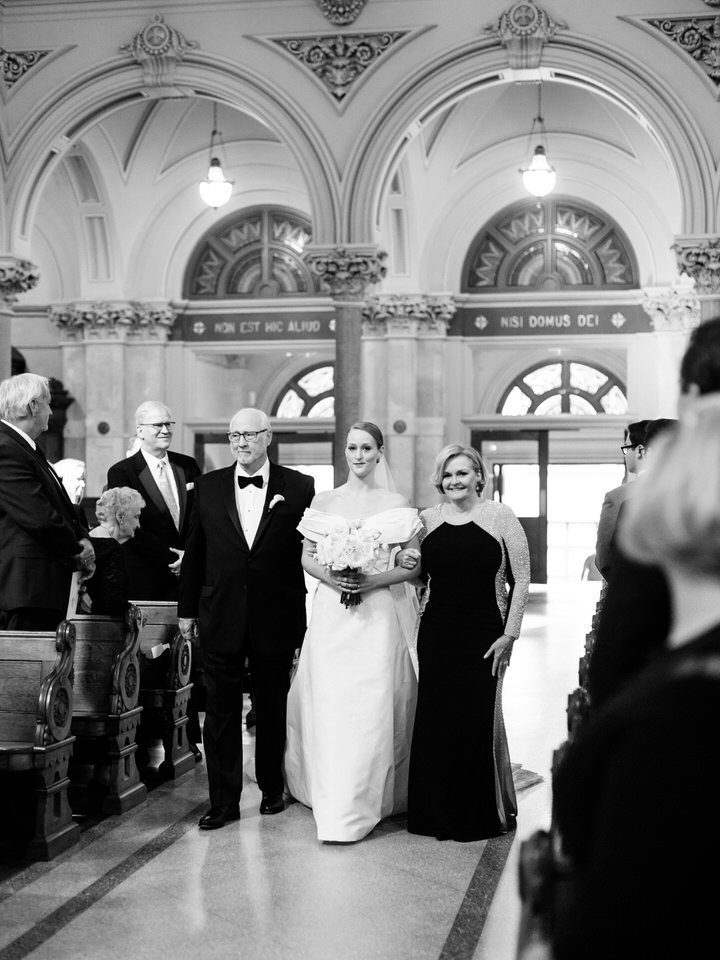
352,700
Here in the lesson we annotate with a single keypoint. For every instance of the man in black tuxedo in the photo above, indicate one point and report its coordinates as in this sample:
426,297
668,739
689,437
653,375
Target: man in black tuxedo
42,539
165,480
242,589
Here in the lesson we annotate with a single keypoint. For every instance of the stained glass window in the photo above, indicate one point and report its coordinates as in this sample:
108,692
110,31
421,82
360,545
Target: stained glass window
552,244
310,394
567,386
257,252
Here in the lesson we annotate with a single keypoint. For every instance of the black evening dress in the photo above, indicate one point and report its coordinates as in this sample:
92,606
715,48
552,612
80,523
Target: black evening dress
108,588
460,784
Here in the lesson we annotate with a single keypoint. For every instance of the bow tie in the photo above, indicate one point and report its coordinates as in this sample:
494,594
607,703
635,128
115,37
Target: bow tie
248,481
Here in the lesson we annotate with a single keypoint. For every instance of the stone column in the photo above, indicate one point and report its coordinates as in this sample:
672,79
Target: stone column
404,382
113,356
347,274
699,257
674,312
16,276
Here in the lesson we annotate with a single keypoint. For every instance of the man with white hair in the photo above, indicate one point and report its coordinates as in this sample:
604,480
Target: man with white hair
42,539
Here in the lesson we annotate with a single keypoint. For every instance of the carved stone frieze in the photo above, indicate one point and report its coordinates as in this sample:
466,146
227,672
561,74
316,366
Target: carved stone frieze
672,308
407,312
158,48
342,12
346,273
698,37
14,64
128,320
700,259
16,276
339,60
524,29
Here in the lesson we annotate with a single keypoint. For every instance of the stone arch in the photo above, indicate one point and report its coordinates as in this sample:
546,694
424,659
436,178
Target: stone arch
80,103
449,78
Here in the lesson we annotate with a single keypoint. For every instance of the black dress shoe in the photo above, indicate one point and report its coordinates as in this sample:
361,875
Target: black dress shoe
217,817
272,803
195,751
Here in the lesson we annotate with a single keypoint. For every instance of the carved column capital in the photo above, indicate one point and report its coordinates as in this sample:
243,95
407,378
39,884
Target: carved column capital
409,312
524,29
16,276
346,273
119,321
158,48
699,258
674,308
341,12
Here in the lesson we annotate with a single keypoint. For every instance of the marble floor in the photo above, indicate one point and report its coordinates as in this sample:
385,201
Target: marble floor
149,883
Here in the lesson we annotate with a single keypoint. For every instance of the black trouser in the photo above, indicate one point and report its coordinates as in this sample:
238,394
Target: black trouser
223,728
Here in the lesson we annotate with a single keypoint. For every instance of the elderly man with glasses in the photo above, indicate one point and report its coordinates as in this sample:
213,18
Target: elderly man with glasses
242,590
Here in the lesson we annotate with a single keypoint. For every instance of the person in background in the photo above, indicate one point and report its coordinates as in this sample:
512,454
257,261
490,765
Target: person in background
633,451
475,554
72,474
108,590
620,650
42,540
165,481
242,592
638,772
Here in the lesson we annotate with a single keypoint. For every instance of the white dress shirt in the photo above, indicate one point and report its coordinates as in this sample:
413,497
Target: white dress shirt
250,502
154,464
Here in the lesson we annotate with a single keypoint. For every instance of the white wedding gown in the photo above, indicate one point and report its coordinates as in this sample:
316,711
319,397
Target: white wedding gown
352,701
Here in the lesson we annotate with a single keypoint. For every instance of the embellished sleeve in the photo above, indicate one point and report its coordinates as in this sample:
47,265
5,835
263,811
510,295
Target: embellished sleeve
517,573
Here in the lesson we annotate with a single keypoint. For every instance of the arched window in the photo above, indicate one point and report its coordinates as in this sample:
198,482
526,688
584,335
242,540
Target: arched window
552,244
564,386
310,394
257,252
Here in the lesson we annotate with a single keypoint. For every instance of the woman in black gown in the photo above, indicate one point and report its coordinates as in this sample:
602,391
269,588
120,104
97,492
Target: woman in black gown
475,555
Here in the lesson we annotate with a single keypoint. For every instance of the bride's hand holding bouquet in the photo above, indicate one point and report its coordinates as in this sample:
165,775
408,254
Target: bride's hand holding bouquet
348,554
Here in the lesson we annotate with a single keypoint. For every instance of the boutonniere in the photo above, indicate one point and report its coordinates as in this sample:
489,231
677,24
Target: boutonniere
278,498
190,486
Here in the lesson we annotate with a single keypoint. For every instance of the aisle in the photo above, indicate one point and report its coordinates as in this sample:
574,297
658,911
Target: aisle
150,883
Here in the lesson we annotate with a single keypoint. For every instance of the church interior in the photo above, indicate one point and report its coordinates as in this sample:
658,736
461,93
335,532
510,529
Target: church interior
327,210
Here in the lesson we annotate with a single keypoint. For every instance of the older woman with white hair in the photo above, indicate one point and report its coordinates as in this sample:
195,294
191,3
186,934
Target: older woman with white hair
118,511
631,793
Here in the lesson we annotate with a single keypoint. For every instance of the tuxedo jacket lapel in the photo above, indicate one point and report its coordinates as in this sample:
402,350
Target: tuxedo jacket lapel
276,485
228,496
147,482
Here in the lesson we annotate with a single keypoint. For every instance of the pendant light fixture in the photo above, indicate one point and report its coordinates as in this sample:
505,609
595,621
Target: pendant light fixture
216,190
539,177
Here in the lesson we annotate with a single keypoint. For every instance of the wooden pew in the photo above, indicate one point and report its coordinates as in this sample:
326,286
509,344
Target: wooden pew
36,699
165,685
106,713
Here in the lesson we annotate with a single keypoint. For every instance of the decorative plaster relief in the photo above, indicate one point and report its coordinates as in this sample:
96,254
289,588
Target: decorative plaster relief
16,276
157,48
524,29
409,312
15,64
347,273
699,37
672,308
342,12
338,61
700,259
121,321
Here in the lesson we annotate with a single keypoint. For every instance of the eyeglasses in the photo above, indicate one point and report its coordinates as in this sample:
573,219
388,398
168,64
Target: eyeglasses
168,424
248,435
629,446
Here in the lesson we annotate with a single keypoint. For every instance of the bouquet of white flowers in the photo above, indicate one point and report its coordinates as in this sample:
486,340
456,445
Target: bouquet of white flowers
351,550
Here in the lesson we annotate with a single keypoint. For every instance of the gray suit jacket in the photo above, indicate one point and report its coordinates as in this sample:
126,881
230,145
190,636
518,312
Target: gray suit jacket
604,547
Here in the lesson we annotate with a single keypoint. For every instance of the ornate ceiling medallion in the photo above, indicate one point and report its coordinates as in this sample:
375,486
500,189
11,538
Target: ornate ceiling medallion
158,48
524,29
342,12
338,61
699,37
